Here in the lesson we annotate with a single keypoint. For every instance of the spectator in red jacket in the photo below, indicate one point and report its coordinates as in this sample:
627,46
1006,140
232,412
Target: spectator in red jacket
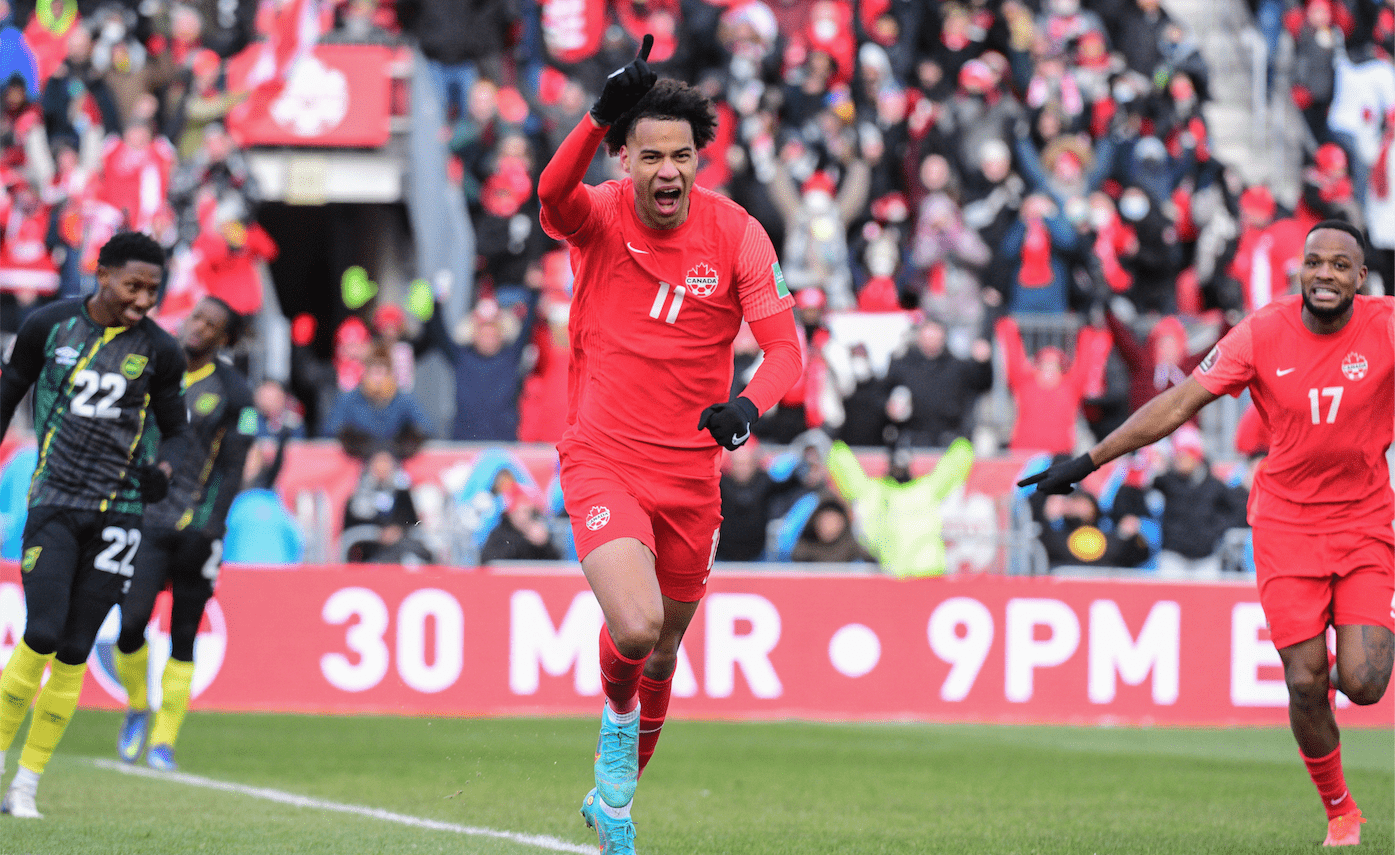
230,248
1046,391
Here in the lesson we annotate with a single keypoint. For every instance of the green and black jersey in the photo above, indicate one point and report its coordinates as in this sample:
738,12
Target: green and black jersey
96,390
208,465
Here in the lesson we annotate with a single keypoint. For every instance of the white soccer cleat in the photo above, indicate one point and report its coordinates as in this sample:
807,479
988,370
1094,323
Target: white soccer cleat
20,804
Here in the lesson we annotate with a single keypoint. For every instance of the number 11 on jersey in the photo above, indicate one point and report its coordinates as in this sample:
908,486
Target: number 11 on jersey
662,297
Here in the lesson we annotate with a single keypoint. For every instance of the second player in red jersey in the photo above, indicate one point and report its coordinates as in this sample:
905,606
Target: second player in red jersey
1321,368
665,273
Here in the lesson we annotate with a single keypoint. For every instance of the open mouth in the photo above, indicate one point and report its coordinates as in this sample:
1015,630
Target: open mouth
666,199
1322,293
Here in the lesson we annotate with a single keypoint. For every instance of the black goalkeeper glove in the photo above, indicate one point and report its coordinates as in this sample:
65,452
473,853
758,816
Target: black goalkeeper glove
1062,477
154,484
729,423
625,86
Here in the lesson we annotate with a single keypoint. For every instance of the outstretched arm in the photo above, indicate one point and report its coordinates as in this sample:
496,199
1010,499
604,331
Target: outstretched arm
1154,420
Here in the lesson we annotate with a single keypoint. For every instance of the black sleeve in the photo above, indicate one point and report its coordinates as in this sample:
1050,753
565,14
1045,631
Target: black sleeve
167,399
232,456
24,366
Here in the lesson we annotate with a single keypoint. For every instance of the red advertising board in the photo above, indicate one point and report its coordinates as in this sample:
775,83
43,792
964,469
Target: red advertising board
355,639
337,95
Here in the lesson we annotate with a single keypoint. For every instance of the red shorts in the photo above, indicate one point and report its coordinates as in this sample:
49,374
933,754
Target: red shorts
677,515
1310,581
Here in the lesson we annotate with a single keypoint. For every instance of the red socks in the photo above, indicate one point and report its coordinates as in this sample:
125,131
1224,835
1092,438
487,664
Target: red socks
1326,773
619,675
653,708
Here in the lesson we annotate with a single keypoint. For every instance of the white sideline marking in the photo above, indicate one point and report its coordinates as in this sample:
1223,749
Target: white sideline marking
541,841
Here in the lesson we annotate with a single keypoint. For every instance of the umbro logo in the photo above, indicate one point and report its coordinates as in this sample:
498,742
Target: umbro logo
66,356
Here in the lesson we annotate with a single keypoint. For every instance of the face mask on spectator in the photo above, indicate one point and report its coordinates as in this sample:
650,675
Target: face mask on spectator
1134,206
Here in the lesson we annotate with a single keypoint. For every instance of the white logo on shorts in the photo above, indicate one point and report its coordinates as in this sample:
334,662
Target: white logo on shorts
597,517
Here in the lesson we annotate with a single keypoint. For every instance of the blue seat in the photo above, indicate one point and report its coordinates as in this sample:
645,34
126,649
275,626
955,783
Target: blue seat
262,531
14,500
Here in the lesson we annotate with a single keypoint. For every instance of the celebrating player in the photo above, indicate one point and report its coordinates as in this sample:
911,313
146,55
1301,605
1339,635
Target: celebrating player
664,274
99,369
183,533
1321,367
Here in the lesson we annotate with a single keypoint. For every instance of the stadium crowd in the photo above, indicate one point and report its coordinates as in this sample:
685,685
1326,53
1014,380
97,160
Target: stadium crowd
987,176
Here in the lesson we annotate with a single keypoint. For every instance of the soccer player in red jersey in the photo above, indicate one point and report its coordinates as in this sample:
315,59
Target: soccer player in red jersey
664,274
1321,368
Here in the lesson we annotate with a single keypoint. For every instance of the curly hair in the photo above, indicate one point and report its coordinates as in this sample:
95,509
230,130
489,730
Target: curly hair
669,99
130,246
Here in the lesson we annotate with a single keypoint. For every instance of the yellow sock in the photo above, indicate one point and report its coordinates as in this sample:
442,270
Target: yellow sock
52,712
131,668
18,685
176,685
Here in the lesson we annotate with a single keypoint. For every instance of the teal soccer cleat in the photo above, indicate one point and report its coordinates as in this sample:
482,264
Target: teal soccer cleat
617,759
617,835
161,758
134,730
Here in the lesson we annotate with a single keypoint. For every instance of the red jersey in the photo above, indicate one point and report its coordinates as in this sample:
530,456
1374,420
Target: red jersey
1329,404
654,313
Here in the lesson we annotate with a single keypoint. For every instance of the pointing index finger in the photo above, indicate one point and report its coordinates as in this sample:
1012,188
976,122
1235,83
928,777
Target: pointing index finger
644,48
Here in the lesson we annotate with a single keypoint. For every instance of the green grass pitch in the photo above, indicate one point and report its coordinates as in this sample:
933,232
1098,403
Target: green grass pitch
714,787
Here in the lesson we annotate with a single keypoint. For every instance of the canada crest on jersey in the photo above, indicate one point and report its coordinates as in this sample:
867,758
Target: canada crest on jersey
133,365
1354,366
702,280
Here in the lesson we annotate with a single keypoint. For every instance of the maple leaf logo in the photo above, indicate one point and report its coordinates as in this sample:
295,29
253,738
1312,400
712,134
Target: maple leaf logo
702,280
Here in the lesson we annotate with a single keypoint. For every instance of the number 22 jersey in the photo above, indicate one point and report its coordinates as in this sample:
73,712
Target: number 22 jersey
95,390
1329,403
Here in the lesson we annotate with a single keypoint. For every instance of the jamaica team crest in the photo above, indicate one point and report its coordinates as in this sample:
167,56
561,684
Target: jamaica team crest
134,365
31,557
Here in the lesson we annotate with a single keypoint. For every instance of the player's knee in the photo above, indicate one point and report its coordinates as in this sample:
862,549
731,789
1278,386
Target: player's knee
1365,686
1306,685
661,664
1365,694
41,639
635,634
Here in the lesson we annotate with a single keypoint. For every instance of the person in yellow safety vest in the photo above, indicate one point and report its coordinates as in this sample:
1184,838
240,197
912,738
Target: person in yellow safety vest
897,518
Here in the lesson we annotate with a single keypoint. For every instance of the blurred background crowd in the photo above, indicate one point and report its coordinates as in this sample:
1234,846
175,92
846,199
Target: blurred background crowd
1008,221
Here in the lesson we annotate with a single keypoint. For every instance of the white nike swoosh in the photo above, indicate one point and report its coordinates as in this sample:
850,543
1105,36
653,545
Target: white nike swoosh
737,440
634,249
1282,371
1338,800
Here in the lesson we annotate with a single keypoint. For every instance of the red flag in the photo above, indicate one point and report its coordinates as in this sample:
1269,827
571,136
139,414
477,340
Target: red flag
292,33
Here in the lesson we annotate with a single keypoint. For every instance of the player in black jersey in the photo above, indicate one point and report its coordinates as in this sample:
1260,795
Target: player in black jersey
183,544
100,371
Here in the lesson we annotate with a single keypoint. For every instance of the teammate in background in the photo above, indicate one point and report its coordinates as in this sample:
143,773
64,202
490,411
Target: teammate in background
183,533
1321,368
664,274
100,369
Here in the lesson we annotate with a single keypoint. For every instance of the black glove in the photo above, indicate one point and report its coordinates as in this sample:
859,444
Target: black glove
625,86
1062,477
729,423
154,484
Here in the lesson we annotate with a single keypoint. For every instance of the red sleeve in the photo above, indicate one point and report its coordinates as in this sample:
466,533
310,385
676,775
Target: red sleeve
1133,354
760,285
261,244
566,202
782,365
1018,368
1229,367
